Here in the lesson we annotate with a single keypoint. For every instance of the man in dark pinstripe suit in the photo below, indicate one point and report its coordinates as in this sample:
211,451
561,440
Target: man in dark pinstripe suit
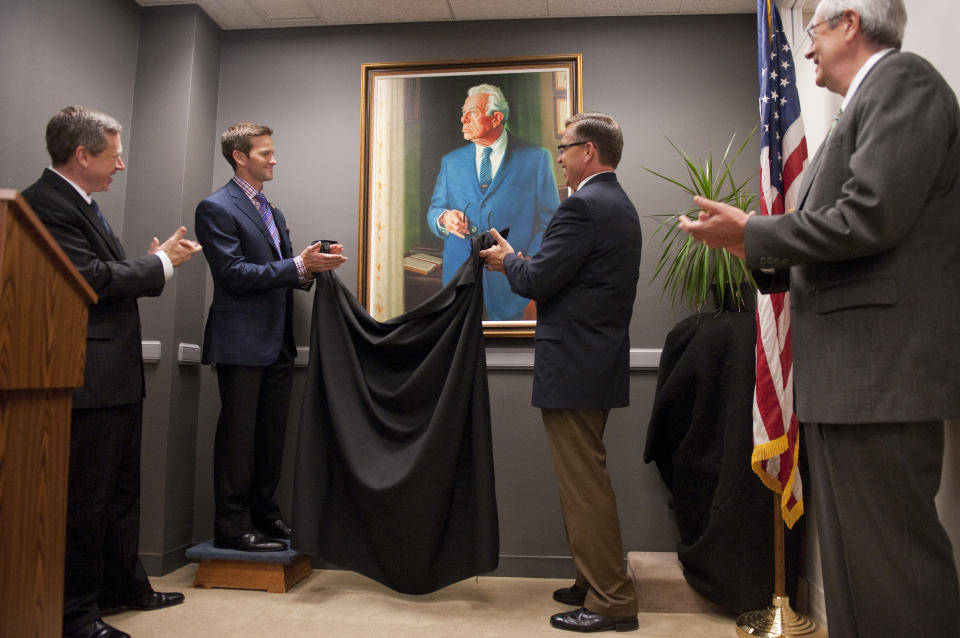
103,501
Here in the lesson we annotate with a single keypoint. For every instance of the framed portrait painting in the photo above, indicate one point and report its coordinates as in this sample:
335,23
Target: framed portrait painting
450,149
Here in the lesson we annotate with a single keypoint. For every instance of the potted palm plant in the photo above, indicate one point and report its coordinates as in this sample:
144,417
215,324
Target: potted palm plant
691,271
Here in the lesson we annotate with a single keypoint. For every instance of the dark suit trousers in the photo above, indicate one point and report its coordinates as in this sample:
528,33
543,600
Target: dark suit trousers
888,567
248,449
590,509
103,513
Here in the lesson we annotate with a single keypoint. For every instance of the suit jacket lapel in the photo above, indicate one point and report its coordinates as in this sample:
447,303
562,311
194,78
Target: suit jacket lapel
286,250
111,243
504,169
469,167
814,167
809,174
108,237
246,207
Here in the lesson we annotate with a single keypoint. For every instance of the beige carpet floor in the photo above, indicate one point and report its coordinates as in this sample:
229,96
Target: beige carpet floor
339,604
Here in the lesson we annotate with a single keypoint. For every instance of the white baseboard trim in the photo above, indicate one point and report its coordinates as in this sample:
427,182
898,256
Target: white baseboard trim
647,359
522,358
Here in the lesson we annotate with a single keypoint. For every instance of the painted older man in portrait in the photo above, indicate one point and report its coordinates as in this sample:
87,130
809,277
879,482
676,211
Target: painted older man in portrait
496,181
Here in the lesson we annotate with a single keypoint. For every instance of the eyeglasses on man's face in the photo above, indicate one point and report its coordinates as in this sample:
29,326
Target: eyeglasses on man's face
813,27
562,147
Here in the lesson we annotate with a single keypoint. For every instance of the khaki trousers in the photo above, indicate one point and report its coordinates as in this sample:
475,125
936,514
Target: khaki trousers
590,509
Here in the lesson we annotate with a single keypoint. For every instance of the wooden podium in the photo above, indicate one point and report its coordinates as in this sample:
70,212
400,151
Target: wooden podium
43,328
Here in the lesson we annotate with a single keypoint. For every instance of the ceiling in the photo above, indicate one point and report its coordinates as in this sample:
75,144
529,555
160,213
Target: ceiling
260,14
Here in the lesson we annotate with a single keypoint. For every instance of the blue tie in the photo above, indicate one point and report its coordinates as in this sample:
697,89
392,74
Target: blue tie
103,220
264,209
485,168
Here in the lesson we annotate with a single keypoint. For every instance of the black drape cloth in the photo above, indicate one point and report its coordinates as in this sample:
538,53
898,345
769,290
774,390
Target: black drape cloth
701,438
394,466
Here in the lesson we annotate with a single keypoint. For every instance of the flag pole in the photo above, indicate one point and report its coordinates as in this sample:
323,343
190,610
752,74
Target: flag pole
778,620
779,571
783,150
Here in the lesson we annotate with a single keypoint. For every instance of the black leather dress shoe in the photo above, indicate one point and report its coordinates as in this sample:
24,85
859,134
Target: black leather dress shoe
96,629
250,542
585,621
572,595
150,600
276,529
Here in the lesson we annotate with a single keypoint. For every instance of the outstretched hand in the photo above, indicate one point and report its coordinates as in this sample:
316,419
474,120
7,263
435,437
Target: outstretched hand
315,260
718,225
493,256
177,248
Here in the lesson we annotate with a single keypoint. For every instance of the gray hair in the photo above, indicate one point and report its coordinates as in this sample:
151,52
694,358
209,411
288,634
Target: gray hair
495,100
76,126
603,131
882,22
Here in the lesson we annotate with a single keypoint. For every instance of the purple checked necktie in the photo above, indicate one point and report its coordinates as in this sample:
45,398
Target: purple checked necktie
264,208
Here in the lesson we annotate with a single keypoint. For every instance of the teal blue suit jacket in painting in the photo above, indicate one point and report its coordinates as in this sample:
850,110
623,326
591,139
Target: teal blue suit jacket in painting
522,196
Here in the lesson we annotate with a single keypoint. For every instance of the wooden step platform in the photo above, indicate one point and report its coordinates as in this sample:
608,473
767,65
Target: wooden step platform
275,572
661,587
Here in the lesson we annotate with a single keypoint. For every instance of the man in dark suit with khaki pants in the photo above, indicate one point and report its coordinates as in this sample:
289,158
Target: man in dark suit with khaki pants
869,258
584,280
103,571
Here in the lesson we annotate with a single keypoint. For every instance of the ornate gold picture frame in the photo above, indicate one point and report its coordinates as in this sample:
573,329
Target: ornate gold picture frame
410,136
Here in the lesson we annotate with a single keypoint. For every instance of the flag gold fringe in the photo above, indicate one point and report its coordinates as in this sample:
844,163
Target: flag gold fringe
769,450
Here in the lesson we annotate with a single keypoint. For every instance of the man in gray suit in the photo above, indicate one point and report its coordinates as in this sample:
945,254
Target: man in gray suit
869,258
103,572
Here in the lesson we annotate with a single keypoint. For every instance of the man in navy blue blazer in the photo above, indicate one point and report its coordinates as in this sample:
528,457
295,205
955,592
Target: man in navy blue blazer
584,280
249,336
498,180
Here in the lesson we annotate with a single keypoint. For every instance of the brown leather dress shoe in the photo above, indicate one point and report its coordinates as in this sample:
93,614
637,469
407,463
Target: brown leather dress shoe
96,629
585,621
572,595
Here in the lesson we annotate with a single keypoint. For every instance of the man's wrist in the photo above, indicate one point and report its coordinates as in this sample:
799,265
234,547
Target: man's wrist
301,269
440,226
167,264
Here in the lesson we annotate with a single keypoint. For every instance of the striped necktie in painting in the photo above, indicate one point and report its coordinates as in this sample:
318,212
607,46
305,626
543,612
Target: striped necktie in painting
485,168
264,208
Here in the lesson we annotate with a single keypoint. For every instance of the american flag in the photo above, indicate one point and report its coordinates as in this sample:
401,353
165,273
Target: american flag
783,155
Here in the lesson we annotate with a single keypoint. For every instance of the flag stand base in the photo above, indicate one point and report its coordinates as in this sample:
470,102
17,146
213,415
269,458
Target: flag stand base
777,621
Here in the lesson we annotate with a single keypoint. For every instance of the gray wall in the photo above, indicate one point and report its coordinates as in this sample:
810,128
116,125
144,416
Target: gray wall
175,81
174,118
637,69
41,72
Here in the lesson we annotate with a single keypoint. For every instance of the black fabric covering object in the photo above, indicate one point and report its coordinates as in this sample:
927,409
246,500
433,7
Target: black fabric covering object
701,438
394,466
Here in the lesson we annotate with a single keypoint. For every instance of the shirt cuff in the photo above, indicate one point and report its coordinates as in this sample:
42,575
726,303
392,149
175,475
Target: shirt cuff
167,264
302,272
